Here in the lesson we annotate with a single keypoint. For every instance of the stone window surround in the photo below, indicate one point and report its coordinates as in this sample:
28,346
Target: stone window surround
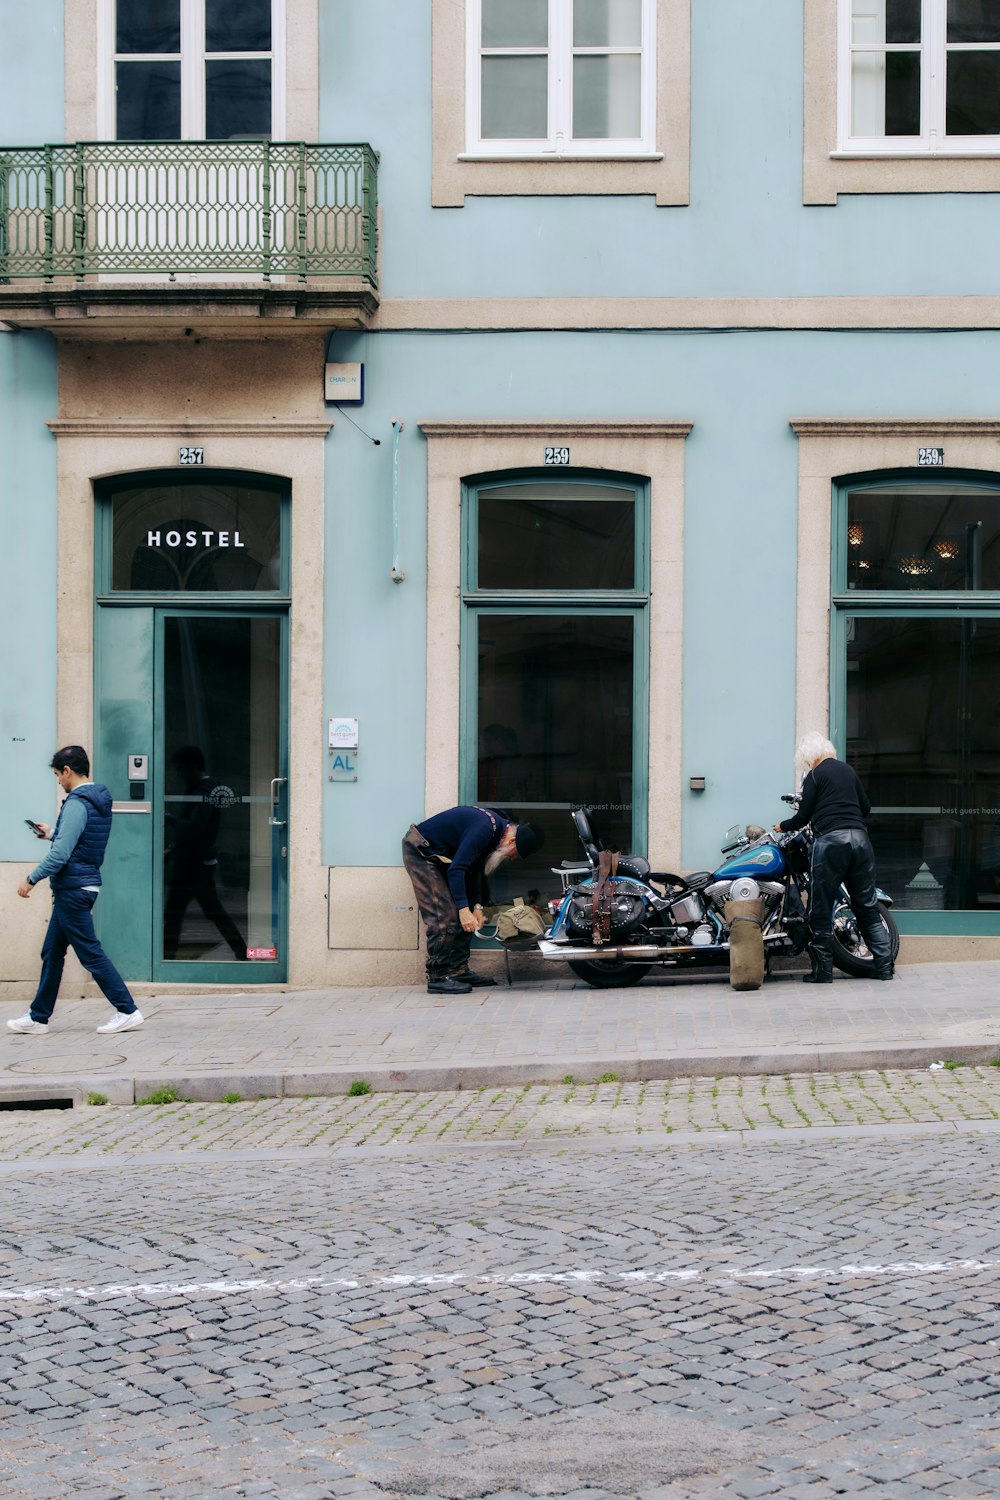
457,451
828,172
84,67
665,175
830,450
292,448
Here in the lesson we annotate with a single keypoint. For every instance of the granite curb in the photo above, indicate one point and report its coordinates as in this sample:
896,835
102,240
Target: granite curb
209,1086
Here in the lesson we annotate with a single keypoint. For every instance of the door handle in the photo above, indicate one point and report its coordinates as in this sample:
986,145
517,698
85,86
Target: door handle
277,781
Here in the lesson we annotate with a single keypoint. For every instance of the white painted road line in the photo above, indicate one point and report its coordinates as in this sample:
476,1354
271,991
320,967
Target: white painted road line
867,1271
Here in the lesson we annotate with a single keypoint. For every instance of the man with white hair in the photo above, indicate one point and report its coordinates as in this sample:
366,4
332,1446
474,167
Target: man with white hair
833,800
446,857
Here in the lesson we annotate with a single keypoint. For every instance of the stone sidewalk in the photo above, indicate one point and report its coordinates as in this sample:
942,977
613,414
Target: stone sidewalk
307,1043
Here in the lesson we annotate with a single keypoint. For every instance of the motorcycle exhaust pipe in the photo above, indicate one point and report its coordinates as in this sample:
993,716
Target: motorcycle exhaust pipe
610,950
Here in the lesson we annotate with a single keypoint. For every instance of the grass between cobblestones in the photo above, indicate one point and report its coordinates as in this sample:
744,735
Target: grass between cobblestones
531,1112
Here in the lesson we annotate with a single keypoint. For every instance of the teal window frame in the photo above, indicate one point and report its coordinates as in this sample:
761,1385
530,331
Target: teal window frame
632,603
907,603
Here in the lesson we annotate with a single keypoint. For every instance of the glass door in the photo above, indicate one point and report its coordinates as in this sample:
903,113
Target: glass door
220,800
192,743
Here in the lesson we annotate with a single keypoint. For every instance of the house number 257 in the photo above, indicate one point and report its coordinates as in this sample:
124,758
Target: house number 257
191,456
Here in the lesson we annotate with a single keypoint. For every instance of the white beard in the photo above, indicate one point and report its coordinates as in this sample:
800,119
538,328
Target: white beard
495,860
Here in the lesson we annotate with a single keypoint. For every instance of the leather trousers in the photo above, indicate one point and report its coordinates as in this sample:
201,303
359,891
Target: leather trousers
844,857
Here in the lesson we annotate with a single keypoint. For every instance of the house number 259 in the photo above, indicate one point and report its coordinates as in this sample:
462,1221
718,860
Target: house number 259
191,456
557,455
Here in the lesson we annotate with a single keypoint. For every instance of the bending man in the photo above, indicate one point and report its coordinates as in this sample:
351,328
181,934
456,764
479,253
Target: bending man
446,858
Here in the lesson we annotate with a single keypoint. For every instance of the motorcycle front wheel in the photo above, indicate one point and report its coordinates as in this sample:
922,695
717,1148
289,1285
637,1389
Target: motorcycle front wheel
608,974
850,951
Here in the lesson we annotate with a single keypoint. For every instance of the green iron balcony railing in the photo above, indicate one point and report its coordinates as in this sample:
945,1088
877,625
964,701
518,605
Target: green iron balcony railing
191,208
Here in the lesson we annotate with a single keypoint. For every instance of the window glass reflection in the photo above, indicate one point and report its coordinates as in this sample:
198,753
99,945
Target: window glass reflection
542,677
923,538
148,101
974,20
515,23
923,734
221,679
515,98
606,97
607,23
198,537
973,98
245,27
557,536
237,99
148,26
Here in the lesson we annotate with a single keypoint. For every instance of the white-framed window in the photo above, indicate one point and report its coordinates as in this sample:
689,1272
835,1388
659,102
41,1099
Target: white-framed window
560,78
919,77
191,69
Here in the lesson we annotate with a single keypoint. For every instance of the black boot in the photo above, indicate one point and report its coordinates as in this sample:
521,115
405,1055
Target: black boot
445,985
876,935
821,954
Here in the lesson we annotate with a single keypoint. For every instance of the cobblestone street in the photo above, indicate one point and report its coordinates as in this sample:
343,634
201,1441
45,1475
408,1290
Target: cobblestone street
756,1287
545,1111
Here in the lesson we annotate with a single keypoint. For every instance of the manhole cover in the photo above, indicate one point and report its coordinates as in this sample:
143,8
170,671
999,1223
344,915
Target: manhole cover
68,1062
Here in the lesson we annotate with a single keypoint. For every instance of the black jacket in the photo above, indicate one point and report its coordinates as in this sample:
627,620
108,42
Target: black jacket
832,797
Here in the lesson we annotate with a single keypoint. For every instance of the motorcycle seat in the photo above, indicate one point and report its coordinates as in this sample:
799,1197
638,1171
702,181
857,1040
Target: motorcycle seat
634,865
699,878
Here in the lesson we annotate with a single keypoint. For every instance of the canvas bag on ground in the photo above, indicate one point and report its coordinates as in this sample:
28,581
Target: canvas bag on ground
519,920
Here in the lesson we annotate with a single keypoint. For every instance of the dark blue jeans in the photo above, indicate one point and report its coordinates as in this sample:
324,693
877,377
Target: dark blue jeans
72,926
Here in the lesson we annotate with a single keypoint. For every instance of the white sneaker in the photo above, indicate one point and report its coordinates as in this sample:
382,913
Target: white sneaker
25,1023
120,1022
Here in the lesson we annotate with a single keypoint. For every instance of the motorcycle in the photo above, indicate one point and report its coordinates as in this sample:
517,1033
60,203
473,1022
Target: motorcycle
613,926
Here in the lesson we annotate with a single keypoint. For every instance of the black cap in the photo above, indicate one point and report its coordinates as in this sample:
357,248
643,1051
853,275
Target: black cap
527,840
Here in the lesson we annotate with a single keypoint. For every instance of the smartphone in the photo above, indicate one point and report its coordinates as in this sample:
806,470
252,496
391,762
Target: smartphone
36,828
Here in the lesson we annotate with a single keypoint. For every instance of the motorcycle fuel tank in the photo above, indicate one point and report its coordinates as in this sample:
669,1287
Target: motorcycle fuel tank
760,861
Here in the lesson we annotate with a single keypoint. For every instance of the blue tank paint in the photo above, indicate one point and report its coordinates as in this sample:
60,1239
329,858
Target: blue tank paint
760,862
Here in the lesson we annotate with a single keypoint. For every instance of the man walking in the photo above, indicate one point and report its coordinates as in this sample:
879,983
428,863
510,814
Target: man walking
446,857
73,867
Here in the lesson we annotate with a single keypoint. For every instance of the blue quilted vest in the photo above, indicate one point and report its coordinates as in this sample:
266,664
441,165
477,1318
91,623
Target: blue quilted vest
84,865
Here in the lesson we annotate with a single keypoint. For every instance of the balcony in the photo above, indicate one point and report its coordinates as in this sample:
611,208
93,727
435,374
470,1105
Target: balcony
154,233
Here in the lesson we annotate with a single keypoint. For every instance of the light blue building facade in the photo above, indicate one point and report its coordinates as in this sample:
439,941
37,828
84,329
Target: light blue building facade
676,337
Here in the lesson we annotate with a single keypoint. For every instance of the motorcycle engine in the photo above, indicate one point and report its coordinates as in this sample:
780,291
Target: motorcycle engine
628,907
743,888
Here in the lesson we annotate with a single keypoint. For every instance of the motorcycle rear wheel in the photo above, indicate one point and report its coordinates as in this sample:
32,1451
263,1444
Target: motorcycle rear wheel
850,951
608,974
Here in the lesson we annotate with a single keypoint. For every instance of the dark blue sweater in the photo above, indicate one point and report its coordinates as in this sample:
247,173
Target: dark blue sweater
467,836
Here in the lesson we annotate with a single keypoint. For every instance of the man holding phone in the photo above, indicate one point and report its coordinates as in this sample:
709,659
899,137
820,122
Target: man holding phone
73,868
